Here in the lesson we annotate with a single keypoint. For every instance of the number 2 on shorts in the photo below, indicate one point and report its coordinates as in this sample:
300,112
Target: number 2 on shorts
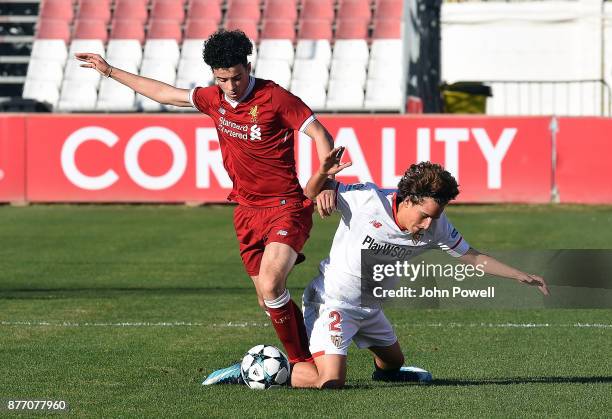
336,318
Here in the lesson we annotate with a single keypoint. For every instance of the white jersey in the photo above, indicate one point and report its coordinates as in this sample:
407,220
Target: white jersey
368,222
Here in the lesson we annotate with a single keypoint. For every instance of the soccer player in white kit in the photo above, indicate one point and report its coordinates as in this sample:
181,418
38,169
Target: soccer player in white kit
411,218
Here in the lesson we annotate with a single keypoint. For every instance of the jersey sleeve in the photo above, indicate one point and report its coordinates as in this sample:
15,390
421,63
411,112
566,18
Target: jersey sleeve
293,113
200,99
351,197
449,239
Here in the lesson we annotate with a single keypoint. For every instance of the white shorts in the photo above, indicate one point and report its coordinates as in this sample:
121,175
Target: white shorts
332,327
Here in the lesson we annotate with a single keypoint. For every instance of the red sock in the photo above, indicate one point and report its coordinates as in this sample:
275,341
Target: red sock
289,325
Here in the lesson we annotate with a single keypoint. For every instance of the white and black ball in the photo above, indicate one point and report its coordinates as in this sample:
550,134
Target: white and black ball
264,367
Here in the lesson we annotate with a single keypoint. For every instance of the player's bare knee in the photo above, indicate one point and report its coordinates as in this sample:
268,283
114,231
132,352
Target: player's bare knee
271,287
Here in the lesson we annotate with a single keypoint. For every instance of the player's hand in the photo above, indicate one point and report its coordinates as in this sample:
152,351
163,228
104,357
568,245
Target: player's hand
326,202
535,280
331,165
94,61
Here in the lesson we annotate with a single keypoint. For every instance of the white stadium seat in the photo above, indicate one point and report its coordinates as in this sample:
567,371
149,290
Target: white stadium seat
314,49
159,70
124,50
311,92
50,49
352,50
383,69
195,71
276,49
380,97
311,70
162,50
94,46
43,91
344,96
45,70
114,96
74,72
275,70
348,70
77,96
389,49
192,49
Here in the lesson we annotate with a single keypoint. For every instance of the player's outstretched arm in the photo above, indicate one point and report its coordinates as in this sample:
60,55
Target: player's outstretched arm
153,89
330,165
493,266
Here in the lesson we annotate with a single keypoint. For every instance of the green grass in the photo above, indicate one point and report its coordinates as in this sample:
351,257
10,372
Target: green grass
70,276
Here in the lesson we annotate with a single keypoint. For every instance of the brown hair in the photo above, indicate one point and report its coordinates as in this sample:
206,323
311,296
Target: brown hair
427,180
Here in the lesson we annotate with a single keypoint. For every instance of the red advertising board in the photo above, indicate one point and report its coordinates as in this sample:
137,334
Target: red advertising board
12,158
175,158
584,160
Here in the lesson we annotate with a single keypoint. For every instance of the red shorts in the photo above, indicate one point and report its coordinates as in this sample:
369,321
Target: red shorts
256,227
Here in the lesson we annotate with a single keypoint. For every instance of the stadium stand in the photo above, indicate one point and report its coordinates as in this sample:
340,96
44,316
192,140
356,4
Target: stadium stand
335,54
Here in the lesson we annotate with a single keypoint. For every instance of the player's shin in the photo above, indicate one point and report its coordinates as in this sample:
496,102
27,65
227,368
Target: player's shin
288,322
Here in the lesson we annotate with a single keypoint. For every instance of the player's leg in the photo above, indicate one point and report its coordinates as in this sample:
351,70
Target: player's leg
388,366
376,334
329,371
277,261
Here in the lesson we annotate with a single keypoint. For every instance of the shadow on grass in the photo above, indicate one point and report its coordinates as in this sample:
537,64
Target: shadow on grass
492,381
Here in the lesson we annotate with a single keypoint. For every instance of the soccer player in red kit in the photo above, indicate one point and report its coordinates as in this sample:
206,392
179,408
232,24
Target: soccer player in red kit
255,121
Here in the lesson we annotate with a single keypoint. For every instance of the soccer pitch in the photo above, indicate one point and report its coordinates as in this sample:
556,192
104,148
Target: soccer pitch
122,310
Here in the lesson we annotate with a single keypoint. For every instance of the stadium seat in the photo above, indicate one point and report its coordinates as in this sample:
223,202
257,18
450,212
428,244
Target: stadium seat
317,10
165,29
389,9
314,49
194,73
312,93
86,45
249,27
90,29
380,97
45,70
192,49
243,9
386,48
127,29
57,10
94,10
200,28
204,10
276,49
131,10
53,29
168,10
348,70
387,29
77,96
344,96
50,49
389,69
115,97
275,70
351,50
278,29
163,41
315,29
310,70
352,29
74,72
281,10
124,50
43,91
355,9
163,71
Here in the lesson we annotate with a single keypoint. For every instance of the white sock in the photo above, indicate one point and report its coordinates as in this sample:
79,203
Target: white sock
283,299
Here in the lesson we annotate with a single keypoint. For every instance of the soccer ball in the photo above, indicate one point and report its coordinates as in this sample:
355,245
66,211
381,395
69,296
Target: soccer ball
264,367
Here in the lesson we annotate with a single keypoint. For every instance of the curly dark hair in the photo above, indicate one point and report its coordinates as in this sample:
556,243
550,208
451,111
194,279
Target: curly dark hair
427,180
225,49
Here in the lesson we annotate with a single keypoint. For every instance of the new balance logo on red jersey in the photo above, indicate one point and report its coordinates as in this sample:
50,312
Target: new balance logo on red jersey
376,224
282,232
255,133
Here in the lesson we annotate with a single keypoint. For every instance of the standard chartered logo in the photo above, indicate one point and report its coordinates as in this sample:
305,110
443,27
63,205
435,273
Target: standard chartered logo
255,133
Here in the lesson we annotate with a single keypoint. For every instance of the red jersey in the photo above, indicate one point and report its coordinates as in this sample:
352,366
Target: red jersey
256,140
